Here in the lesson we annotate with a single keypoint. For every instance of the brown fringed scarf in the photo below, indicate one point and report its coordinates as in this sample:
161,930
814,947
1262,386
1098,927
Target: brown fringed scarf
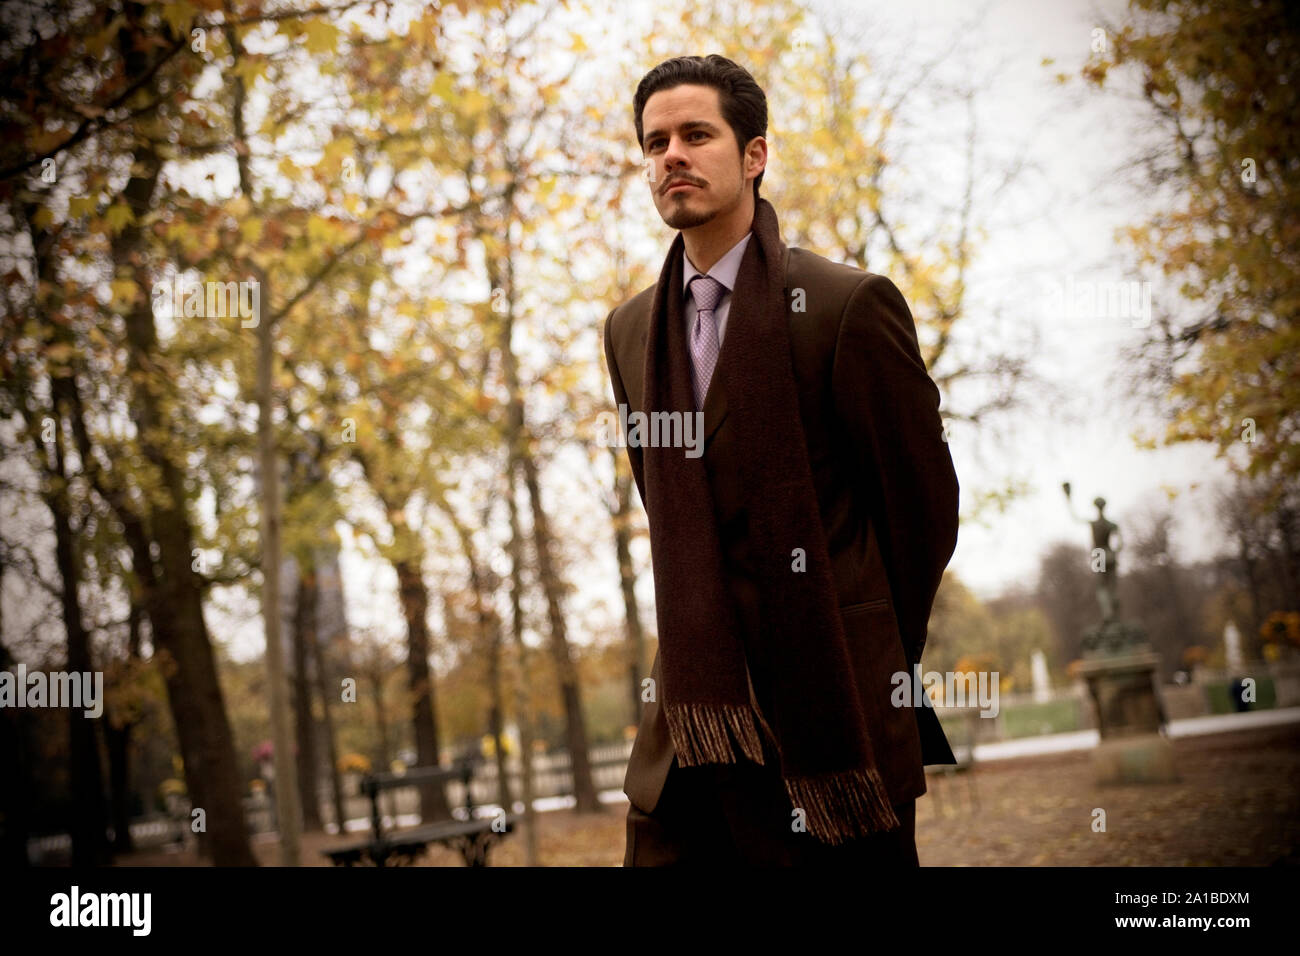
827,762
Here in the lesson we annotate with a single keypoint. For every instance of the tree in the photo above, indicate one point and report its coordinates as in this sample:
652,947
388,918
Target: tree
47,429
107,66
1158,592
1220,158
500,228
1065,591
1264,534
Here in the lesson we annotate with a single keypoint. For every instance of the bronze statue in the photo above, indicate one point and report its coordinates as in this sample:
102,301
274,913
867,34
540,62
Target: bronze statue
1108,574
1111,636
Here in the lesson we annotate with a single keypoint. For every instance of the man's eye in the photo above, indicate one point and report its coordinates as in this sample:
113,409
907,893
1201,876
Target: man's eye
655,144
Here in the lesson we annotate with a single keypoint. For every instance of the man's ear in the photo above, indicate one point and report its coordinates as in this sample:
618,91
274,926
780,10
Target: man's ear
756,152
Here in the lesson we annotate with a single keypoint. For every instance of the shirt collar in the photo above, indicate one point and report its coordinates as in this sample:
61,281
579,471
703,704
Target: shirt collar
724,270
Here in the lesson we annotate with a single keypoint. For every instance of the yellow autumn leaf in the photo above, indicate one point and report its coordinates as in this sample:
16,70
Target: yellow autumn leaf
123,292
79,206
336,150
475,102
443,88
96,43
322,36
59,353
119,216
249,68
321,230
178,16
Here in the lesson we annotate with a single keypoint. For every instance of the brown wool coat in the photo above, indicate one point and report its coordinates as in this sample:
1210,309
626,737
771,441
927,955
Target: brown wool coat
886,490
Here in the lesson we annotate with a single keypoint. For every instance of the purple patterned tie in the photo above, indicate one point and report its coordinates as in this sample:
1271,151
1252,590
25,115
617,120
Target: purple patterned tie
704,336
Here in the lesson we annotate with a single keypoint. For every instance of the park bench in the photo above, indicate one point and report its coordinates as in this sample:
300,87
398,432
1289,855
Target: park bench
473,836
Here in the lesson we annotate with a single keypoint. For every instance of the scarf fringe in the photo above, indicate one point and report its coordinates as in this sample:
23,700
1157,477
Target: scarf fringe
843,806
699,733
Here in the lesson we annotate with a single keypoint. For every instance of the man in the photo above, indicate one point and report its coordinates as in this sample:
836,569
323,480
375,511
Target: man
797,559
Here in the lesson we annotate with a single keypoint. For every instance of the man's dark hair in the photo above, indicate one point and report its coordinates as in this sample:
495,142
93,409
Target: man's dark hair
742,101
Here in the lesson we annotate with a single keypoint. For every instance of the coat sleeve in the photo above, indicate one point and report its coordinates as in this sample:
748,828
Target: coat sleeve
620,400
904,477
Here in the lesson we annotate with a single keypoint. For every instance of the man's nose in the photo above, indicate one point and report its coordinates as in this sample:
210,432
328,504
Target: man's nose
674,155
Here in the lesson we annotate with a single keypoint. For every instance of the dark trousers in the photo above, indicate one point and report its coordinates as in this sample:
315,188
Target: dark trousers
740,815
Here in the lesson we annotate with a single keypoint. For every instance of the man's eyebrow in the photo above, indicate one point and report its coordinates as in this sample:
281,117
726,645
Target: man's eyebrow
692,124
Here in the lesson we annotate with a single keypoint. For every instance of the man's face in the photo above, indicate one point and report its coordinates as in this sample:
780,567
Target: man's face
689,142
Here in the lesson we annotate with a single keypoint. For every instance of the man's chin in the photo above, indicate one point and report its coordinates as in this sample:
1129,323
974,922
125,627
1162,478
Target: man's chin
683,218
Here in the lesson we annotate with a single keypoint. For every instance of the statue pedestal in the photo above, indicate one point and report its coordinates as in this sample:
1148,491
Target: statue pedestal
1144,758
1123,689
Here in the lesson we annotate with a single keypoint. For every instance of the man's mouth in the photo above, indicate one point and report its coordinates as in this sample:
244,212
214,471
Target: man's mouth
676,186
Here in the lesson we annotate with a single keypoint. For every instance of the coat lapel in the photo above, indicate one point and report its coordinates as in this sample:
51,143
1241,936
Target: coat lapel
715,402
715,405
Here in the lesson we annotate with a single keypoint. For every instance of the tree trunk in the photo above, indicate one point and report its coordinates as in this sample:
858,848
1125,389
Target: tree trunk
482,582
1248,571
87,828
575,723
1284,519
118,739
627,581
304,637
324,688
521,456
424,713
89,836
176,603
288,810
119,773
495,720
523,709
15,782
381,722
117,732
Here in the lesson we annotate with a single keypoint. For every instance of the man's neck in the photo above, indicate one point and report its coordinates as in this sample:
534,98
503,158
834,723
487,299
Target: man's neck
708,243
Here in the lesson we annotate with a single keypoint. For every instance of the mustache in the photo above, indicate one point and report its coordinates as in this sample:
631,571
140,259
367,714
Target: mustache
680,181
